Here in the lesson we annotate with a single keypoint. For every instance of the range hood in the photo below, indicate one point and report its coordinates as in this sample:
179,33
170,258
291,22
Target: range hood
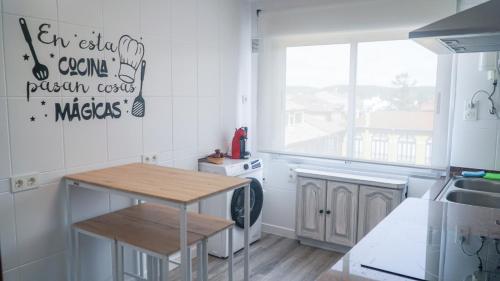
474,30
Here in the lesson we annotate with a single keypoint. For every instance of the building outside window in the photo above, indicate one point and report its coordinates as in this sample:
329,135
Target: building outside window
355,100
358,146
407,145
428,151
380,147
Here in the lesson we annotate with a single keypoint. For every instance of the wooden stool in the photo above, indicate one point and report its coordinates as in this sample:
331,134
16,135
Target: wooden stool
154,230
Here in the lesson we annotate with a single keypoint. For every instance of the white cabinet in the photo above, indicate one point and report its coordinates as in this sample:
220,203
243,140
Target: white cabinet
332,212
311,207
341,213
374,205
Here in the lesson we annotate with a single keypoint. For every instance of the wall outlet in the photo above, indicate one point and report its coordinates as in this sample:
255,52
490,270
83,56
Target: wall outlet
150,159
23,183
471,111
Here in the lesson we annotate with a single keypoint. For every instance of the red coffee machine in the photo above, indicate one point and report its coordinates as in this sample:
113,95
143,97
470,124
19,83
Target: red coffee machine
238,149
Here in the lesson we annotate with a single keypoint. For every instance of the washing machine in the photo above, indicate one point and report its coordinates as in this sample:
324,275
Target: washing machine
229,205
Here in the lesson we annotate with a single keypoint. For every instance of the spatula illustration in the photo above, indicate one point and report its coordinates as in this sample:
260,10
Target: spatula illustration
40,71
139,106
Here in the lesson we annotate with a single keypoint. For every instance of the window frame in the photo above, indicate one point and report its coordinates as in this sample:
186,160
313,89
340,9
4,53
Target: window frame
443,92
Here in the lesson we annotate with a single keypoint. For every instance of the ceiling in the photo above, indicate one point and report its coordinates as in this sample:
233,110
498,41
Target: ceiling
290,4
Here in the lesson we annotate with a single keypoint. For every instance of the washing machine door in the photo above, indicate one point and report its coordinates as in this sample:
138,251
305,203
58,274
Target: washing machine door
238,203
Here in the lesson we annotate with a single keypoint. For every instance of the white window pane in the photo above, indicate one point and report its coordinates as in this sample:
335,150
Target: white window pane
317,79
395,98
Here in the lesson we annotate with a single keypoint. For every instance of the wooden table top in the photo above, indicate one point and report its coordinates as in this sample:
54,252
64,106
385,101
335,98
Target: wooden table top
174,185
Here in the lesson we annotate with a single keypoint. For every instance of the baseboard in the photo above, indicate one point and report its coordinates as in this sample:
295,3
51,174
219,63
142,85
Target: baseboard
324,245
279,230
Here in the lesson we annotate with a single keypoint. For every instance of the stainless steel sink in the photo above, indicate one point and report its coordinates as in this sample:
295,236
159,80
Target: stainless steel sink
478,185
475,192
474,198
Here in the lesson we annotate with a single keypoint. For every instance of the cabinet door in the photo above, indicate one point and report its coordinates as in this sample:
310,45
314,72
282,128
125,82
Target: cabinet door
341,213
311,207
374,205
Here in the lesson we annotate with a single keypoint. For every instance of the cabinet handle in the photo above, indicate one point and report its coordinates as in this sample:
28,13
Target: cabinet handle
321,211
328,212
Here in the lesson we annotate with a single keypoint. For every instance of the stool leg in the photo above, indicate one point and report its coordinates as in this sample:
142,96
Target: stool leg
190,263
204,256
77,267
155,269
158,269
115,272
230,261
120,263
143,261
149,264
199,254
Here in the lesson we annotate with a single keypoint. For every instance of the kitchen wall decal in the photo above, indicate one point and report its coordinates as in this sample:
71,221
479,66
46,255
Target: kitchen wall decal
40,71
90,74
131,53
139,106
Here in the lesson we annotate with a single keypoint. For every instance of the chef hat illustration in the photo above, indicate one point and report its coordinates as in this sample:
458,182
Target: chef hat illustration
131,52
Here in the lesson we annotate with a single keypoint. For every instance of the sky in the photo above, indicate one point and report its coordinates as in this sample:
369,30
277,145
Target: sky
378,64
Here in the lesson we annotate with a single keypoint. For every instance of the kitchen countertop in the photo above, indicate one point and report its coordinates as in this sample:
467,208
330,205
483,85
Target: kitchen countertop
363,179
418,241
436,188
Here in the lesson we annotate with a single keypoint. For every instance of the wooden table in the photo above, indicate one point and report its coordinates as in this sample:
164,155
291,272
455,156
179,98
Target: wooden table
157,184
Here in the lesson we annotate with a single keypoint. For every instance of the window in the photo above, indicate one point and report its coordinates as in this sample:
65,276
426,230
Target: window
380,145
342,99
406,149
316,79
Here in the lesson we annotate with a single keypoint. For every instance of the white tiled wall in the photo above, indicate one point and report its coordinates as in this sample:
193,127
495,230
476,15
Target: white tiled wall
191,88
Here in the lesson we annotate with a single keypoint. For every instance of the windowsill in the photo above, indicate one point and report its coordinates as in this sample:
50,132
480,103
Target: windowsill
357,165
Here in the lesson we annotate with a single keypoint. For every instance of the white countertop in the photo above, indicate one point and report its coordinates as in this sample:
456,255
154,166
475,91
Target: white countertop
387,182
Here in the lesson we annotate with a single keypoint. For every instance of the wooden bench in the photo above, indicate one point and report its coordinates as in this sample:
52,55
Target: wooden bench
154,230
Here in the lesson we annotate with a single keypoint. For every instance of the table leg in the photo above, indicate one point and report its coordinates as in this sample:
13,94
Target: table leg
69,234
246,276
199,254
204,249
185,262
76,234
230,261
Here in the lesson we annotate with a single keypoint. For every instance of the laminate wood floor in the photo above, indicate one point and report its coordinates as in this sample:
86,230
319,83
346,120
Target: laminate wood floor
273,258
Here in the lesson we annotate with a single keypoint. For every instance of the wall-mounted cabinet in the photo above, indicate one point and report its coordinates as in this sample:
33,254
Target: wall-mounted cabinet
334,210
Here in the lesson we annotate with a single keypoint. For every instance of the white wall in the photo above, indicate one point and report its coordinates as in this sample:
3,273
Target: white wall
191,87
475,144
